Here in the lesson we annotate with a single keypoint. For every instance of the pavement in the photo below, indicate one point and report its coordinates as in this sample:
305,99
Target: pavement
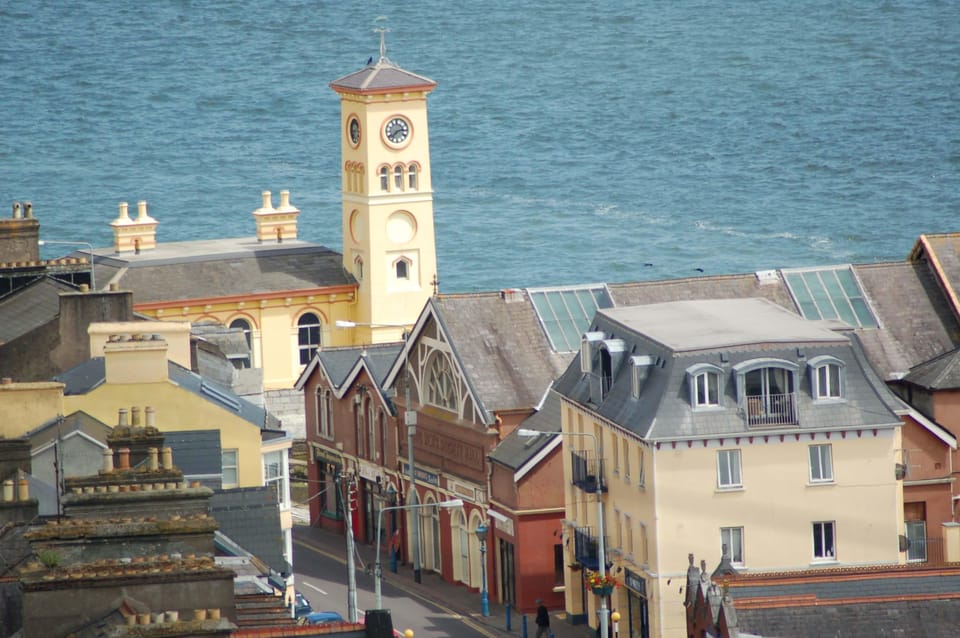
456,598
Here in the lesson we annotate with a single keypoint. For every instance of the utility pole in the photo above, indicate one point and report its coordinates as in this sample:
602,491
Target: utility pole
410,419
350,488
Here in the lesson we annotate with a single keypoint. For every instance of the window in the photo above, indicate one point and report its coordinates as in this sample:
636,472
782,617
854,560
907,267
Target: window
641,471
626,459
830,293
384,178
228,468
707,389
821,463
441,390
398,177
615,453
628,524
412,177
766,391
275,474
731,543
324,413
244,325
308,336
464,564
358,268
824,541
643,558
403,269
728,469
558,564
917,541
371,430
826,378
619,518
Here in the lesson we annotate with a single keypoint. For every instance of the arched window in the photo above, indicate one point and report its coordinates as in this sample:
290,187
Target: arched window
826,378
358,268
412,178
766,388
403,269
384,178
308,336
382,429
398,177
244,325
441,387
706,385
371,430
463,565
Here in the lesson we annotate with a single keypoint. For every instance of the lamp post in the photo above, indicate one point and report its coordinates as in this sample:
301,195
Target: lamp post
410,420
484,601
378,569
93,281
601,548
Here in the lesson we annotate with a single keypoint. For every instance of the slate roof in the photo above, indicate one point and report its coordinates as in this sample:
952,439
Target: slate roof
738,286
78,421
250,516
663,411
501,346
196,452
30,307
382,76
514,451
339,362
940,373
91,374
860,602
941,251
208,269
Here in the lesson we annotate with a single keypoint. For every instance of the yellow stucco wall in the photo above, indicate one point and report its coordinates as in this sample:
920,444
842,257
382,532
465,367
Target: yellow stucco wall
177,410
24,406
683,509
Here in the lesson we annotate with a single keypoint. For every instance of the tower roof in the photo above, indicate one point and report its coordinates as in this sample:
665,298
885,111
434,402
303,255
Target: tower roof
382,76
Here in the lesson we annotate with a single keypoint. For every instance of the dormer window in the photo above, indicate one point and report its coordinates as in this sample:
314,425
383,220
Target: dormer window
639,371
611,356
826,378
766,391
588,349
706,385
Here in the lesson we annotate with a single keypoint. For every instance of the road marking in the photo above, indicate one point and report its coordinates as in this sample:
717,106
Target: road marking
315,587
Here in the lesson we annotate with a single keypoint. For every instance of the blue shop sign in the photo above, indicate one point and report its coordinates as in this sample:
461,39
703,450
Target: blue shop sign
423,476
635,582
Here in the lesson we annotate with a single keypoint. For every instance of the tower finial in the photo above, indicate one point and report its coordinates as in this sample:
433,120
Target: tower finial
383,38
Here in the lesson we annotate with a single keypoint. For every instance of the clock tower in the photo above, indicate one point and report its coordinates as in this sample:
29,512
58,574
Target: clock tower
388,236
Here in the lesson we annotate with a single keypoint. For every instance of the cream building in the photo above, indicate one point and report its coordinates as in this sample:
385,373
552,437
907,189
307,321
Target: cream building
722,424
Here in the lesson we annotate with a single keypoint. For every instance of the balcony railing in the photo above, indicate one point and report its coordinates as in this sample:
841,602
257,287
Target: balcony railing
587,471
926,550
585,548
771,409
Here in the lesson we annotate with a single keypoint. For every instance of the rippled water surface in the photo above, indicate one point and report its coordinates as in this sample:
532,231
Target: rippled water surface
571,142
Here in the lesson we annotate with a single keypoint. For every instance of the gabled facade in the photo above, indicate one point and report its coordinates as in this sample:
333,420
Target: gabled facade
723,423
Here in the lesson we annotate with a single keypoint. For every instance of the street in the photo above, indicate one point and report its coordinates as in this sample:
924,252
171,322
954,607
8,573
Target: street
322,577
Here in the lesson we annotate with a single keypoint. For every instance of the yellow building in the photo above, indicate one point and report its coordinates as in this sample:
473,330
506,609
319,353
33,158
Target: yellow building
723,427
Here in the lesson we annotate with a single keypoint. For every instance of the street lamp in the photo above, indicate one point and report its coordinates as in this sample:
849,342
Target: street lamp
482,536
93,281
410,420
601,548
378,569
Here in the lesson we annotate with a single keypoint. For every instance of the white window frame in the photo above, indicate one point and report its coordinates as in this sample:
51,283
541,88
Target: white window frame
628,524
732,537
642,471
700,376
820,457
229,461
384,178
730,458
305,347
830,371
275,474
324,413
820,534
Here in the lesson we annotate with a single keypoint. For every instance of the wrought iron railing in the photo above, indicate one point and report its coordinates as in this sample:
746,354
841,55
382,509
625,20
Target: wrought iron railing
586,547
587,471
771,409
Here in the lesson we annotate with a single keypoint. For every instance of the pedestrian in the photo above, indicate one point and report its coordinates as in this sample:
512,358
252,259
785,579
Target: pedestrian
543,620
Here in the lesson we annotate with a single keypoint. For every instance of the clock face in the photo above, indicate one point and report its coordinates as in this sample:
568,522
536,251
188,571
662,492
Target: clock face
397,130
354,131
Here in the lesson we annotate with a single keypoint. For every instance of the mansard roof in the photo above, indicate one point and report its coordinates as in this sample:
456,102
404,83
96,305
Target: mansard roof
668,340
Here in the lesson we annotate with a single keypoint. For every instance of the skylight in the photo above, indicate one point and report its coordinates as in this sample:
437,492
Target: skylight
830,293
565,313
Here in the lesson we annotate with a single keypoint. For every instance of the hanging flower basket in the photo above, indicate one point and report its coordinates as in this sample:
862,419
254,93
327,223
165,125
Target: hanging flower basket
600,585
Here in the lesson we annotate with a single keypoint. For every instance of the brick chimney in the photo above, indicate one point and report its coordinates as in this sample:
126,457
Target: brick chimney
136,358
276,224
19,235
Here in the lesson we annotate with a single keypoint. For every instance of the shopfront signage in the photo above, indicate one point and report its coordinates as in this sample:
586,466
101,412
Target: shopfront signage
635,582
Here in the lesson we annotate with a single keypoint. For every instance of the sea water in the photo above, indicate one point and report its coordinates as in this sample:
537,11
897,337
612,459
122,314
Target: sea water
571,142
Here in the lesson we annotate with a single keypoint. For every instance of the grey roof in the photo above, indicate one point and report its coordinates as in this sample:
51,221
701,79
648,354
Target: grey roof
719,323
195,452
514,451
250,516
940,373
501,346
339,362
30,307
91,374
381,77
78,421
206,269
663,411
709,287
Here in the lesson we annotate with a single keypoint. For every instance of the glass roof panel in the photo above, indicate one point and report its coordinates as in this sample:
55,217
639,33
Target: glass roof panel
830,293
565,313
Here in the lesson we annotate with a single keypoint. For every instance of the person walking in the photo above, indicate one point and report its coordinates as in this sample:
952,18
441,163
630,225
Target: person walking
543,620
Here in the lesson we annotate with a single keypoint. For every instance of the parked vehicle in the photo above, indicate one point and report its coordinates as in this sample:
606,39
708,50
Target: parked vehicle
323,618
301,606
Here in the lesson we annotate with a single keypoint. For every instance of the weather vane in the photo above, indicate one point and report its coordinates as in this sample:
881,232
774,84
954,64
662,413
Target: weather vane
383,37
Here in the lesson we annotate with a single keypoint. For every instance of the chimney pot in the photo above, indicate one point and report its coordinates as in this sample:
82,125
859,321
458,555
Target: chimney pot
124,419
28,210
267,204
23,490
135,416
150,415
8,491
124,458
124,210
153,463
167,458
141,209
284,199
84,288
17,210
107,461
